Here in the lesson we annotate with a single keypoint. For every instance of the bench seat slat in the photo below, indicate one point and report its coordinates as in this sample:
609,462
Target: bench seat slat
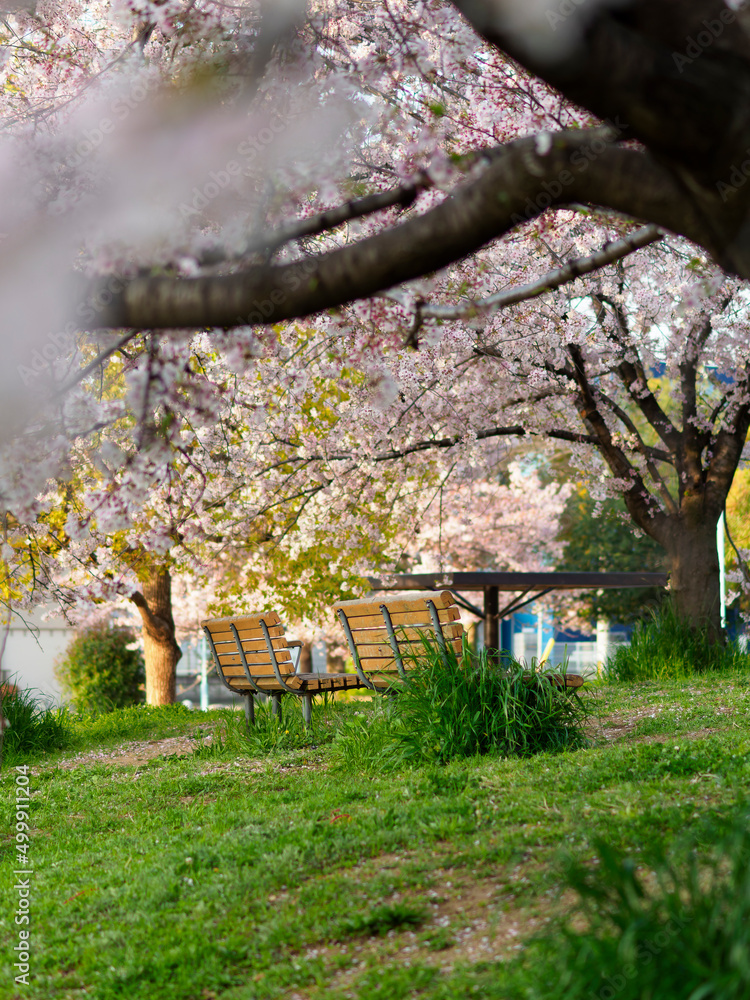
303,683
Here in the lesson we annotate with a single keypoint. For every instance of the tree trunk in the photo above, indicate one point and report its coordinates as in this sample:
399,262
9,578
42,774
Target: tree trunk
694,575
160,645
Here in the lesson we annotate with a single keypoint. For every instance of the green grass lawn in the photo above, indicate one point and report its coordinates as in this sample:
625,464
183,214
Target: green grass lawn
223,874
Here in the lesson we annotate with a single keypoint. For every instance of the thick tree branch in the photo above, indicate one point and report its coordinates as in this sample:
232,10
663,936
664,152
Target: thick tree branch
519,182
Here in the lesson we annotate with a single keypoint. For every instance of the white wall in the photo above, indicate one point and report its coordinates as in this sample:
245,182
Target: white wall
29,656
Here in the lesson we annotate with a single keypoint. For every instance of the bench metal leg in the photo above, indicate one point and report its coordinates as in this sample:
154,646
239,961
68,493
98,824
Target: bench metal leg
250,710
307,709
276,703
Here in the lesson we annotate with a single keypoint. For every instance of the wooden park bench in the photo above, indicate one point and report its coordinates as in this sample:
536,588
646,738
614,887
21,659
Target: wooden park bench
386,633
254,657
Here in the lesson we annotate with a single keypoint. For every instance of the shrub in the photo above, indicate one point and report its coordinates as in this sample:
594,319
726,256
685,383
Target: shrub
686,938
449,708
666,647
100,671
30,727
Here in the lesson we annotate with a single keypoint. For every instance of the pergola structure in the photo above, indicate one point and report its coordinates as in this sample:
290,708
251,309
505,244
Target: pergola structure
526,587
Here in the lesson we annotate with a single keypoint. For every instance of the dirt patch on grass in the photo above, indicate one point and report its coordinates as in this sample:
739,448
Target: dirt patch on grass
620,726
467,920
137,752
624,733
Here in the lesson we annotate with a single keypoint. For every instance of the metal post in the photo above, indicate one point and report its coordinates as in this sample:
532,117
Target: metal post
204,674
491,620
602,645
722,571
250,709
539,631
393,640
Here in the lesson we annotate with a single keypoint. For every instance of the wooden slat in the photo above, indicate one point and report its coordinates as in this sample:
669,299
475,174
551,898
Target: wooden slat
227,659
408,602
568,681
407,649
385,662
384,678
264,683
243,621
252,645
231,671
257,670
406,618
378,635
573,680
247,634
324,682
378,663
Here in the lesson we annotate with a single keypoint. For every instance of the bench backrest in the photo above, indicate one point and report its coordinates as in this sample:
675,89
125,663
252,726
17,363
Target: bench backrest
241,647
385,633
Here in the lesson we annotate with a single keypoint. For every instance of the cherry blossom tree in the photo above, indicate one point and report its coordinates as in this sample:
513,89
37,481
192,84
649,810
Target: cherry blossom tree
428,185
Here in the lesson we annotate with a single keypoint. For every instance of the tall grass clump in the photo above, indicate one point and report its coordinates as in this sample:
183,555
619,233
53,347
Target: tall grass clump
665,647
31,728
450,707
685,936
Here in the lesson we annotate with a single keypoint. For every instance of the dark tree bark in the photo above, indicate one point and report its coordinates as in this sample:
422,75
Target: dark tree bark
694,572
162,652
